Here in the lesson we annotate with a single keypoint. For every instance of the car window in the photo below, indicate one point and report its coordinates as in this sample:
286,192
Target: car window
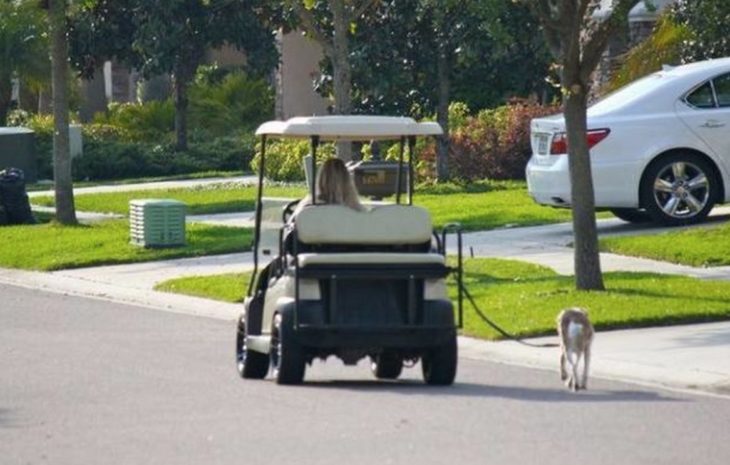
722,90
702,97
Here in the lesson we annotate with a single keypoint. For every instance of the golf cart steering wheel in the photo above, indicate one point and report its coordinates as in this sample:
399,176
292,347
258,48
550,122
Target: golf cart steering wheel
289,210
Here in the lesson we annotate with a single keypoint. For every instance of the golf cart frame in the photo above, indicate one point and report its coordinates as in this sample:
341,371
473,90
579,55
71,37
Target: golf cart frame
347,283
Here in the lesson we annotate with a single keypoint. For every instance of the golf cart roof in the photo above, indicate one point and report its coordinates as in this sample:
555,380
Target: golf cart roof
349,127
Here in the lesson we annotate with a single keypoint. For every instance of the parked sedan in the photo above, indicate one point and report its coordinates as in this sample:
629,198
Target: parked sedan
660,147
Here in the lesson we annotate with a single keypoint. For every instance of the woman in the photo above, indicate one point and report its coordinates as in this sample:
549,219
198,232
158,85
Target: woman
334,186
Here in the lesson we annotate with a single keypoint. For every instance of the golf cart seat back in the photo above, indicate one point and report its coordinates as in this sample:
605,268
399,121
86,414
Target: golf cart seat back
336,228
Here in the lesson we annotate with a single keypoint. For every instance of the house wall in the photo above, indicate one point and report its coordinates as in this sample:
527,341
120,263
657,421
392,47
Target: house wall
298,69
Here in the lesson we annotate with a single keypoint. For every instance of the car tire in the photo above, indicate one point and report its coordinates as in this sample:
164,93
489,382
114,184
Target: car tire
439,364
287,355
251,364
631,215
679,189
386,365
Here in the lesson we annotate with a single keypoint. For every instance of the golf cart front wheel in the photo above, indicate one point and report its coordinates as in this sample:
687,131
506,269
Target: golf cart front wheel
251,364
439,363
386,365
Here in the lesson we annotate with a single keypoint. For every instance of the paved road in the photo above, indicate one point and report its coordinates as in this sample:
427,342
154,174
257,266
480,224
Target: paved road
85,381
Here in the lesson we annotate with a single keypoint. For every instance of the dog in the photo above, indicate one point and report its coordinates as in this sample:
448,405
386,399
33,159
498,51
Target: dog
576,335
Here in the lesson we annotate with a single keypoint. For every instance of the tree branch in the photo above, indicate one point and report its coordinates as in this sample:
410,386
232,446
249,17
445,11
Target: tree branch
593,49
364,6
310,25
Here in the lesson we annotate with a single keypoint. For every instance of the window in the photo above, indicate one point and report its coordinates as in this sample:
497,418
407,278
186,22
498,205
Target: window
702,97
722,90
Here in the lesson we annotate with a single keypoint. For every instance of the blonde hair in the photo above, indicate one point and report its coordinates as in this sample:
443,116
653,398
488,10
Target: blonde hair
335,185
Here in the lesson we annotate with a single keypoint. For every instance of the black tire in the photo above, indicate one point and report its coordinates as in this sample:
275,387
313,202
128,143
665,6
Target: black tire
631,215
679,189
386,365
287,355
251,364
439,364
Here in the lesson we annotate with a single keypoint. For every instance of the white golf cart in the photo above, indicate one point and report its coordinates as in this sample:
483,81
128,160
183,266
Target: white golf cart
347,283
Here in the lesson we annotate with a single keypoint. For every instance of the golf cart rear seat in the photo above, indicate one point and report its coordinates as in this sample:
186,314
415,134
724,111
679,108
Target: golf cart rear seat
390,241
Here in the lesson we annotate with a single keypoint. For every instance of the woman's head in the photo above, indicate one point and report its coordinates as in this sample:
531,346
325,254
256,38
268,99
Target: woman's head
335,186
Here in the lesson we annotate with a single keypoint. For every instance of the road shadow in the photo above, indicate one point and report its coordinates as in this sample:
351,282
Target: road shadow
6,418
413,387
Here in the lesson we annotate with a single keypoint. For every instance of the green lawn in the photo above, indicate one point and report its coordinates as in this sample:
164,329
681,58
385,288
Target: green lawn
218,198
477,206
51,246
704,246
525,298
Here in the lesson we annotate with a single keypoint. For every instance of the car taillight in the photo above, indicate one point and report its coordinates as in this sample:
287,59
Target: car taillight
559,146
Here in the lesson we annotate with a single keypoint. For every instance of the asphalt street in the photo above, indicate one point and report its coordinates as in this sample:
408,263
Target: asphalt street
89,381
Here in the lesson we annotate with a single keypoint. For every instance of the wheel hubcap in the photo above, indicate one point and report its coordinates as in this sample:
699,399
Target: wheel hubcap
681,190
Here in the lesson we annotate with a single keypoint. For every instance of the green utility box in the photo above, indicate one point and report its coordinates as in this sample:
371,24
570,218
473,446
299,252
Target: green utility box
157,222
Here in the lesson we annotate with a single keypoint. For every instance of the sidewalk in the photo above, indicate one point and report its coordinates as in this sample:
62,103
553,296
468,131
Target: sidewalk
682,357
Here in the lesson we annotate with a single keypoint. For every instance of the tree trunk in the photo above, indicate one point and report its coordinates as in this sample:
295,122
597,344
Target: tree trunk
181,111
442,113
342,78
65,210
587,260
6,93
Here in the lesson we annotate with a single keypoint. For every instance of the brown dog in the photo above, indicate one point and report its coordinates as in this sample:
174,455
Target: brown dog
576,334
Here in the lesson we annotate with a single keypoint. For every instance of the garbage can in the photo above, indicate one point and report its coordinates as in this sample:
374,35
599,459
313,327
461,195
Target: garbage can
378,178
14,203
17,149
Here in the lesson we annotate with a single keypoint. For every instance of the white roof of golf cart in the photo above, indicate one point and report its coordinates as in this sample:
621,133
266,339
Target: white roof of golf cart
349,127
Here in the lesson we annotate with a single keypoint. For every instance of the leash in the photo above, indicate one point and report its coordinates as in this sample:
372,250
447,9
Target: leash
497,328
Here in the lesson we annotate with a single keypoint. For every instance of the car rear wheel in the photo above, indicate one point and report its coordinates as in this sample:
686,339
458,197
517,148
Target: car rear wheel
386,365
631,215
287,355
251,364
439,364
679,189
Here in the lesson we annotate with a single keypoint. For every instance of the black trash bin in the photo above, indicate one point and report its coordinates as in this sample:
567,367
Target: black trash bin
14,203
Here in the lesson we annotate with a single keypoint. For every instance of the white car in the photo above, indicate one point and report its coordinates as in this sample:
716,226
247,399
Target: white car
660,147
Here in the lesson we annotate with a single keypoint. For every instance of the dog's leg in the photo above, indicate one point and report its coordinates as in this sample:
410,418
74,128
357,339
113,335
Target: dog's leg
586,363
576,380
563,371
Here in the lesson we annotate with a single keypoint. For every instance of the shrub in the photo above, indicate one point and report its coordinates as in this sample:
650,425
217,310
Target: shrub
151,121
284,158
495,144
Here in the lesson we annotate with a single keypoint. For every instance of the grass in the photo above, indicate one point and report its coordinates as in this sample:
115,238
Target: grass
217,198
525,298
476,206
44,186
51,246
704,246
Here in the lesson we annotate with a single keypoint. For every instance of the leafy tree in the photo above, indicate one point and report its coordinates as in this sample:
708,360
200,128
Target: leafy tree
171,37
709,24
65,209
23,47
578,38
416,56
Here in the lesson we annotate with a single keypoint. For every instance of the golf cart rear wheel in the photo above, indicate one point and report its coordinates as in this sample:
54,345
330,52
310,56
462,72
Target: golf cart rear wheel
439,364
251,364
386,365
287,356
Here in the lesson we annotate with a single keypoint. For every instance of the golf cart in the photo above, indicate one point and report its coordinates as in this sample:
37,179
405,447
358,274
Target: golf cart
349,283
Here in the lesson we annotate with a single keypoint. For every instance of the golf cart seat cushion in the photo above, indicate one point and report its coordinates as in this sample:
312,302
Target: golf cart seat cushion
309,259
386,224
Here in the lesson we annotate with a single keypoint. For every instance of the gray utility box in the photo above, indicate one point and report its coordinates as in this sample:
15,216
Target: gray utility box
378,178
157,222
17,150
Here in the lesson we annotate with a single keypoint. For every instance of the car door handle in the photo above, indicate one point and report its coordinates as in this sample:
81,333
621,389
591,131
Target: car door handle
712,124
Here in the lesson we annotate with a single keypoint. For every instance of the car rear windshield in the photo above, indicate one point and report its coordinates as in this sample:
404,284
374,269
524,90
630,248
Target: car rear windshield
629,93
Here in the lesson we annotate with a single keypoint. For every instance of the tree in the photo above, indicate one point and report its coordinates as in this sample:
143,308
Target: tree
171,37
709,24
330,23
65,209
23,47
417,56
577,37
